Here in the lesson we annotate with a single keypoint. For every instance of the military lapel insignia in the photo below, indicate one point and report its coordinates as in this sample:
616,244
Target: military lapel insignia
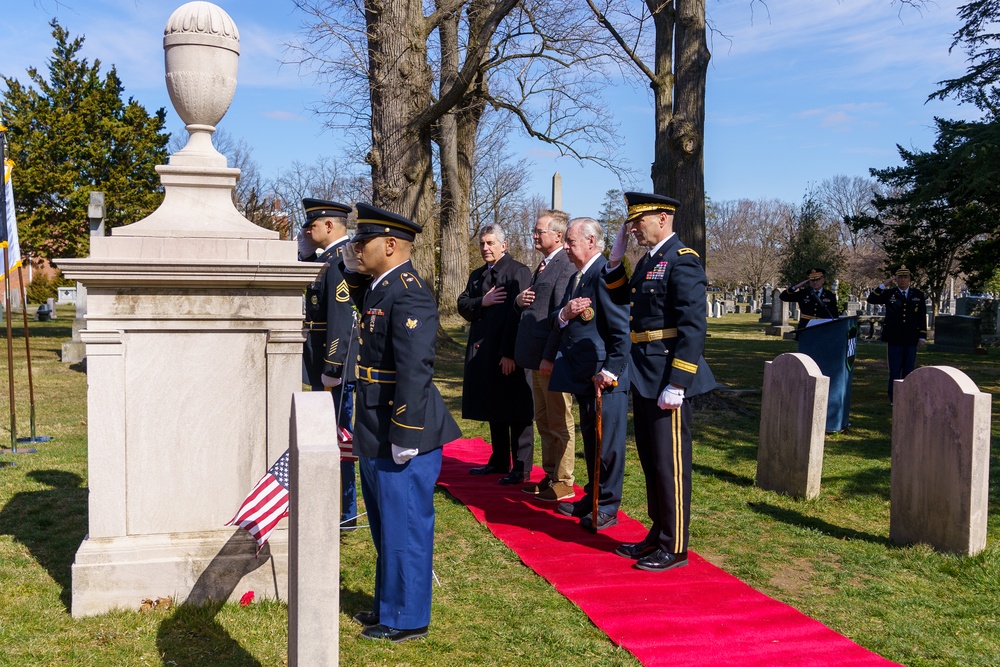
411,324
657,272
343,294
587,314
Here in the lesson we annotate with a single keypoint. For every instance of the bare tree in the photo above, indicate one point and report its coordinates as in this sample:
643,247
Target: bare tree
324,179
842,198
746,239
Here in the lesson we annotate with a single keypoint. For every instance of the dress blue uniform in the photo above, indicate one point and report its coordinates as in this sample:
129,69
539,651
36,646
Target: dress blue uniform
904,326
398,404
666,295
813,304
596,340
329,323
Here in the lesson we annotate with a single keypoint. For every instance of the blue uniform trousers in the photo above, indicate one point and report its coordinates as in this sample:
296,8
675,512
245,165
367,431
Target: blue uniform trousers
400,504
902,359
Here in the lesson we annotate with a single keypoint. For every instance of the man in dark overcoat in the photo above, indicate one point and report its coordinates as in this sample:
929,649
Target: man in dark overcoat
905,326
330,328
593,357
666,297
494,388
535,349
401,422
815,301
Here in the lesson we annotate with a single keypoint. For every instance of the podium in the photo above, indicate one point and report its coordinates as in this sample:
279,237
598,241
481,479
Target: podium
832,345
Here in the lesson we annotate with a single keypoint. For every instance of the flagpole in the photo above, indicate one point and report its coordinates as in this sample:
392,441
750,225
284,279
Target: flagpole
10,336
27,351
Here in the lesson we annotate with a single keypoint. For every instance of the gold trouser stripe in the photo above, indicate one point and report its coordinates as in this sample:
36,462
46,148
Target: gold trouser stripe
654,334
675,423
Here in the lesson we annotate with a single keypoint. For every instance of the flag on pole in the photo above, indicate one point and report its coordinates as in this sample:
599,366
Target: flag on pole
8,230
267,502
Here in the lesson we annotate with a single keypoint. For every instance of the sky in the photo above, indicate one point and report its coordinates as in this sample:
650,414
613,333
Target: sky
798,91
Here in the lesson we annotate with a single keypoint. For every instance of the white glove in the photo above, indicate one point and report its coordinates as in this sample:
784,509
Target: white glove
306,247
670,398
621,243
350,259
401,456
329,382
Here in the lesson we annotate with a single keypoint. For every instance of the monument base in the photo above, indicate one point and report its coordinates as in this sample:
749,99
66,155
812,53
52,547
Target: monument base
778,330
119,572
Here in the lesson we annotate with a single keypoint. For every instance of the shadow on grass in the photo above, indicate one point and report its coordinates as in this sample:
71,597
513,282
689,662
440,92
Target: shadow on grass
191,636
352,601
794,518
723,475
51,523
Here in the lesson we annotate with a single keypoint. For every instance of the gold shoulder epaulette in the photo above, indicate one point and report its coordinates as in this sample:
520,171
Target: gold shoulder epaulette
688,251
409,279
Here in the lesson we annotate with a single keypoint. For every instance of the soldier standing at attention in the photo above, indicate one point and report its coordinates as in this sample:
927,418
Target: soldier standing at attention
905,325
401,421
815,302
329,327
666,296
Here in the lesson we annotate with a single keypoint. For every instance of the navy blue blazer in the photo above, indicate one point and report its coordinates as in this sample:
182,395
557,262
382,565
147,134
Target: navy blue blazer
594,340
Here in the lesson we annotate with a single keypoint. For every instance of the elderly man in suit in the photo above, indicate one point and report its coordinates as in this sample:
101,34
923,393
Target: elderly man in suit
593,360
494,388
402,421
535,349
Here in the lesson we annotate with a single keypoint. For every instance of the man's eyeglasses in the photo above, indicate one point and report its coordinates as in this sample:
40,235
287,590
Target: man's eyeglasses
539,232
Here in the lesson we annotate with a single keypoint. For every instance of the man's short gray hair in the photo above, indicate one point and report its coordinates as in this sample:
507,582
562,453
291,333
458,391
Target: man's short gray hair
591,228
557,219
494,229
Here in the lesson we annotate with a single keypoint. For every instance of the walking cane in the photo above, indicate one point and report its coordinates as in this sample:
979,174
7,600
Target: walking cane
596,484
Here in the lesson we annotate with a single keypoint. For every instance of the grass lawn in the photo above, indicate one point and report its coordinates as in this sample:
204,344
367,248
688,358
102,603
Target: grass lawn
830,557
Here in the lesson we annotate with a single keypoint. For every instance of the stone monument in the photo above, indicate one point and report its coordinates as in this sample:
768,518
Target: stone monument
792,426
940,461
194,341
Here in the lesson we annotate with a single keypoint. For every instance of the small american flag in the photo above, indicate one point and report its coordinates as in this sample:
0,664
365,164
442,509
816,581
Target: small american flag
267,502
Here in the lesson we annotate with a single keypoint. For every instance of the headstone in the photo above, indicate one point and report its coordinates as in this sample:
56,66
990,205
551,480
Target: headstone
51,303
765,314
194,348
779,319
958,333
792,426
940,461
313,532
717,309
66,295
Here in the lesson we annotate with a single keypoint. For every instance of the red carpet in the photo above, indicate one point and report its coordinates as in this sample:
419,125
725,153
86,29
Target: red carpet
697,615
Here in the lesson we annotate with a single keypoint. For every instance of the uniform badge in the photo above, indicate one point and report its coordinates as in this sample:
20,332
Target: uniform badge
343,294
587,314
657,272
314,300
411,324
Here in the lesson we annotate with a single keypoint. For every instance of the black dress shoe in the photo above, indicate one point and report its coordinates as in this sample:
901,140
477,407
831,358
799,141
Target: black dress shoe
578,509
366,618
513,477
637,550
486,470
661,561
392,634
604,520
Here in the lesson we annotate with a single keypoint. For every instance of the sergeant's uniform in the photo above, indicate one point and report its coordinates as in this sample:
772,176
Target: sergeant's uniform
329,327
398,404
812,306
904,326
668,322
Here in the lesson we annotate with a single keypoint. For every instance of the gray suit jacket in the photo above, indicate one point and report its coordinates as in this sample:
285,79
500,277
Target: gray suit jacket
535,338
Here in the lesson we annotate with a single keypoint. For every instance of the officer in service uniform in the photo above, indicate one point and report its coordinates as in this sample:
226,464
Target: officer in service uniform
905,325
329,324
401,421
815,302
666,295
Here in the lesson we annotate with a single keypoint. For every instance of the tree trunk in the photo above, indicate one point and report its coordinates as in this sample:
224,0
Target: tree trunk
663,96
686,131
400,84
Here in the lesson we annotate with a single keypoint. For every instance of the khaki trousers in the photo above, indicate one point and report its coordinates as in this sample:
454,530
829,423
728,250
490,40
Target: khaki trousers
556,429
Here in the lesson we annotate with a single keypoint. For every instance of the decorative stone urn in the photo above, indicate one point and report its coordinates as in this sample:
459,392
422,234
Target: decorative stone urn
194,346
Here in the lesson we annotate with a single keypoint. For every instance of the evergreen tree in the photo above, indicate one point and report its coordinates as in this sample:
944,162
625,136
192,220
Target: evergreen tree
814,244
72,133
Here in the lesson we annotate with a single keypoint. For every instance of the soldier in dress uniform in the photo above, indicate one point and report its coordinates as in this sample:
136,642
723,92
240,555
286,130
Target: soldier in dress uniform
329,327
401,420
815,302
905,326
666,295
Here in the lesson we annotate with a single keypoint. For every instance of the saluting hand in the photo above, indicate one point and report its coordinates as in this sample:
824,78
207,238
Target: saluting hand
619,247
